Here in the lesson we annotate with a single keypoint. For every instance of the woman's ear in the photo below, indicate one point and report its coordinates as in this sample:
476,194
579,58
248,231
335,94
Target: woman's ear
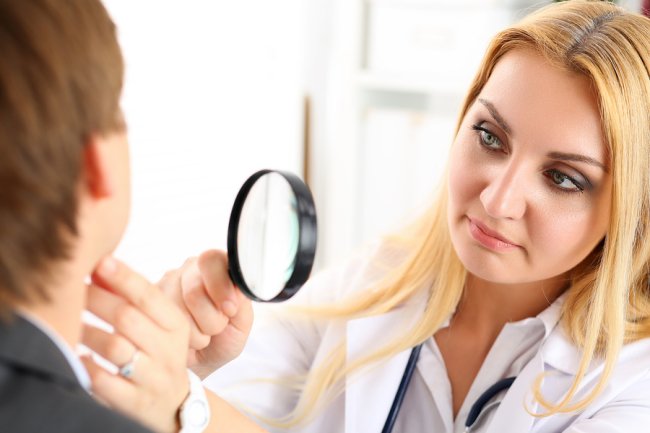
98,178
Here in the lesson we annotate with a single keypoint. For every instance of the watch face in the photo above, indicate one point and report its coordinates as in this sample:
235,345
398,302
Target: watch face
195,415
195,410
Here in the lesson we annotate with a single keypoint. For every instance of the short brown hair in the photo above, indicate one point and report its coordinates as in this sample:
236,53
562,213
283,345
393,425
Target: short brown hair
60,80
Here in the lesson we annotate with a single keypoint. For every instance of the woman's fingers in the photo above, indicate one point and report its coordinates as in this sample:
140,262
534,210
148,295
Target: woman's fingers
221,315
229,300
213,267
243,320
205,314
219,309
170,284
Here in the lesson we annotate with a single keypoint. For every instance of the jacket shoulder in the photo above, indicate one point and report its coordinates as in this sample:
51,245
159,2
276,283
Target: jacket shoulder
30,402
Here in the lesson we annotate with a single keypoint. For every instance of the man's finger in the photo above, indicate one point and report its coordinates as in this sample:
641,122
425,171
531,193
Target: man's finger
115,276
126,319
115,349
112,390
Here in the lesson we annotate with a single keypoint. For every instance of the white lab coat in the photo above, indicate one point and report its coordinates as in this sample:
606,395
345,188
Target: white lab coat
282,347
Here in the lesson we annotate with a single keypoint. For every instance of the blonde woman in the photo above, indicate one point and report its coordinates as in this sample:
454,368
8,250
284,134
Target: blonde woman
524,289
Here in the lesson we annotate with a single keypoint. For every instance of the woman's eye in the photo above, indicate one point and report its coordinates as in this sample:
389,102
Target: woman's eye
488,139
564,182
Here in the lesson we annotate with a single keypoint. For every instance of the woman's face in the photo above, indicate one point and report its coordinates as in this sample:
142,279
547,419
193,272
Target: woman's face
529,183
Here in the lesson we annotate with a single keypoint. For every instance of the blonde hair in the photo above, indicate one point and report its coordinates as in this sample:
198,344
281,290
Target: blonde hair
608,302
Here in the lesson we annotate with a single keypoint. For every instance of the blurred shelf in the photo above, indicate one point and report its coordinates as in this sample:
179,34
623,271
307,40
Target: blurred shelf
401,84
447,4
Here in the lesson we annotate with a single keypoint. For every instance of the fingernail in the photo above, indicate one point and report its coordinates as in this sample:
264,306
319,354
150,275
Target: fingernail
229,308
107,267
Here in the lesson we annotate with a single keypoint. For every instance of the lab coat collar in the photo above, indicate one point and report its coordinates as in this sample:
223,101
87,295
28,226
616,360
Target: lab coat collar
370,392
556,353
559,353
516,409
512,413
551,315
559,356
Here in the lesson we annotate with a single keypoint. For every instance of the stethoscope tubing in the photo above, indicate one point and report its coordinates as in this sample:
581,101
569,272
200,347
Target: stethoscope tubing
474,412
401,391
480,403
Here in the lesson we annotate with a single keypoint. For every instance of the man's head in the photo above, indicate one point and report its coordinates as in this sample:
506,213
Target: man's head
60,84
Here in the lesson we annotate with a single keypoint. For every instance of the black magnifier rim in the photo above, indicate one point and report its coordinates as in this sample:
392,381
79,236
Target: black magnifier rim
307,237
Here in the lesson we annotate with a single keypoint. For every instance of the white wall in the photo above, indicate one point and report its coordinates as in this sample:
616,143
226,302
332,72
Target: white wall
213,92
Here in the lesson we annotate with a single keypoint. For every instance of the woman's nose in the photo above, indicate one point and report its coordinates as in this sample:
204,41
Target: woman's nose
505,194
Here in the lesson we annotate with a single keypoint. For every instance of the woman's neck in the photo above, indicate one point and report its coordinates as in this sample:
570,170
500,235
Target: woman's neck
486,306
481,314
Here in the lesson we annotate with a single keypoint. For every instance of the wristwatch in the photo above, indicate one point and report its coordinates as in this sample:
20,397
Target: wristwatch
194,412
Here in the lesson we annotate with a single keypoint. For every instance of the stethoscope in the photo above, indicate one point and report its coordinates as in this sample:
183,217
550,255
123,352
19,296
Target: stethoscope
474,412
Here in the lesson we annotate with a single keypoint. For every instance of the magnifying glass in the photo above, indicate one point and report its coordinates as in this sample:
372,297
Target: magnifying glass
272,236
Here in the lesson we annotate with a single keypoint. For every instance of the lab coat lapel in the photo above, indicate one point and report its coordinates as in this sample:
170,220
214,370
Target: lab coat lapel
557,354
511,415
370,393
560,353
563,358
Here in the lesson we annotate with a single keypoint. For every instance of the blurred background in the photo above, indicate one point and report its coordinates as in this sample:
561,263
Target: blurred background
358,97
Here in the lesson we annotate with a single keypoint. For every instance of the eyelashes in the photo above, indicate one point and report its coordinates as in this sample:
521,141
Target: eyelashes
559,180
564,182
488,140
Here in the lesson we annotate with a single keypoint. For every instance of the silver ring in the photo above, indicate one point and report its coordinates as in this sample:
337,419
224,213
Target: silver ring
127,370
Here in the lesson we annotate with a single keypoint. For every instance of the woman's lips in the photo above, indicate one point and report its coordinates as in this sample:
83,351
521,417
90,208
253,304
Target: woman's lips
489,238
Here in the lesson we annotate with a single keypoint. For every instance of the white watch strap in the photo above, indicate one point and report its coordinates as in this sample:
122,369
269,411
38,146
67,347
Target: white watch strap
194,413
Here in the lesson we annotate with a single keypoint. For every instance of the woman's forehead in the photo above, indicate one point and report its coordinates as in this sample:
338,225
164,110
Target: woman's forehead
543,104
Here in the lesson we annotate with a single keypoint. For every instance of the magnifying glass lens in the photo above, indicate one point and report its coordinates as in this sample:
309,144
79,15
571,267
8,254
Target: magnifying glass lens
272,236
268,236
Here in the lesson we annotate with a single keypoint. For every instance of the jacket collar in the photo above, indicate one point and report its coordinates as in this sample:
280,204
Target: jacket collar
25,346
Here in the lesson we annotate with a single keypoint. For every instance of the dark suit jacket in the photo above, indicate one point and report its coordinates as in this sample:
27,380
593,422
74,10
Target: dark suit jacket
39,392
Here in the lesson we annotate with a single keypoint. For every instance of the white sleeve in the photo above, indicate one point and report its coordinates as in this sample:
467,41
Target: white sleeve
280,347
628,412
257,382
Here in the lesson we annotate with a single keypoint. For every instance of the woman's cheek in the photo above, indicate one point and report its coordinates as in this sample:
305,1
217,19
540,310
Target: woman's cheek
467,176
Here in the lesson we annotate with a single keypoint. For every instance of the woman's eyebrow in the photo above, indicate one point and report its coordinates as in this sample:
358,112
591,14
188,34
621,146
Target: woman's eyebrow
577,158
561,156
495,114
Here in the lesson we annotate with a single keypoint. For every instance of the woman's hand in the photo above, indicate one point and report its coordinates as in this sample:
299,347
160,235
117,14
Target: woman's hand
220,315
148,346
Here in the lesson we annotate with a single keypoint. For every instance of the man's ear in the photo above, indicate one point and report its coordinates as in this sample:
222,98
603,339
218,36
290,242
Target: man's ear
97,174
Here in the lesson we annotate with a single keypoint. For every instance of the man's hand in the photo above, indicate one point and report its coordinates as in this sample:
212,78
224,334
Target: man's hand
148,346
